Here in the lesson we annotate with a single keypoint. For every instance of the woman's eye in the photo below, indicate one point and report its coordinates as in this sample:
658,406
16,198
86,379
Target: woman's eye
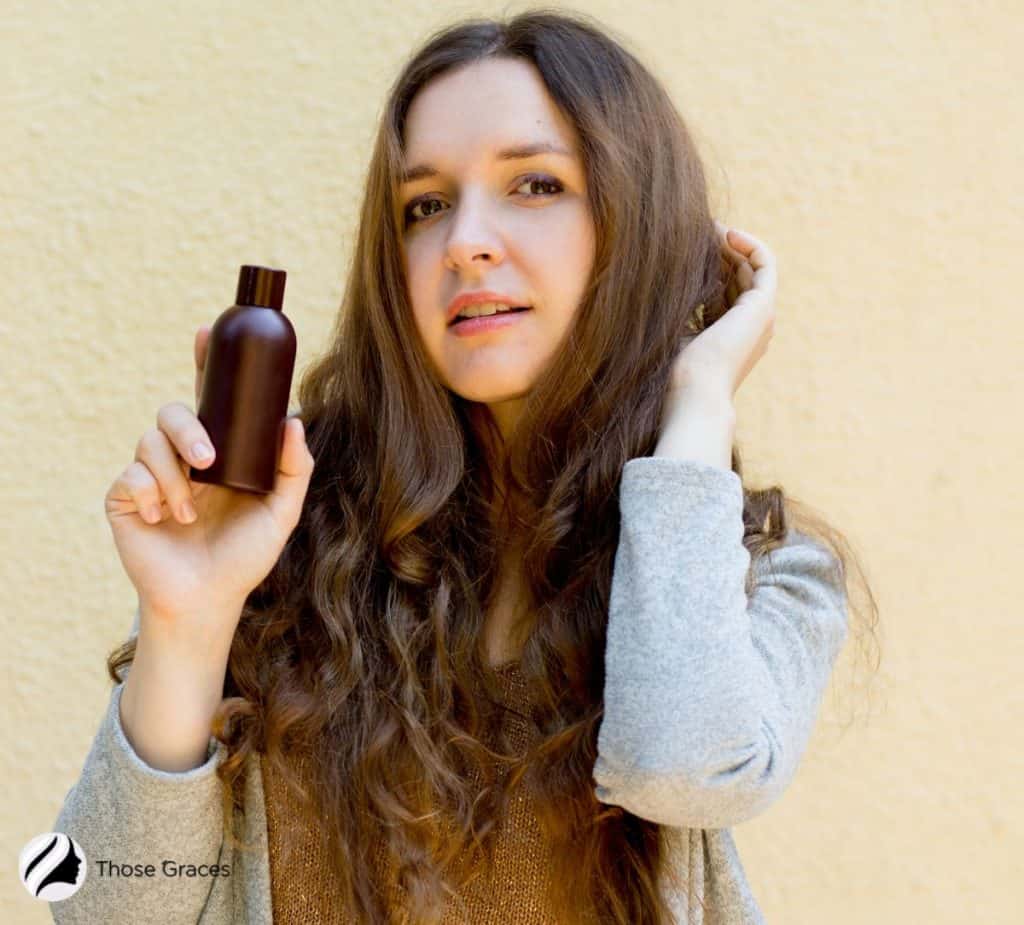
544,181
410,218
539,179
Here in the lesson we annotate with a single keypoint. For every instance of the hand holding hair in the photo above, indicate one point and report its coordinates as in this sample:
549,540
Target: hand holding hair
717,360
699,419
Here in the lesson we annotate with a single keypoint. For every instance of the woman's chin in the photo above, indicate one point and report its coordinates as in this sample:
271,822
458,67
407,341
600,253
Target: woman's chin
486,394
504,400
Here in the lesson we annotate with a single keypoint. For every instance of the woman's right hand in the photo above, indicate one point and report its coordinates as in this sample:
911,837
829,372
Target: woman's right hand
187,572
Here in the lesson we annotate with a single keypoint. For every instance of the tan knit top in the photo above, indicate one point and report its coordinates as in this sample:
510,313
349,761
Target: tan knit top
303,891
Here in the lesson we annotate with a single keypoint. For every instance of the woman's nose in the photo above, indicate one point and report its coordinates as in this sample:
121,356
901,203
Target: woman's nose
472,236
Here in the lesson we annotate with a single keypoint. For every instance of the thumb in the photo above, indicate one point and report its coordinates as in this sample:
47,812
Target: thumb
293,473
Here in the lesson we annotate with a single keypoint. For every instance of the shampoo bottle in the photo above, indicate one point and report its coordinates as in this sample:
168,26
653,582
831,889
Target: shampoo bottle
246,383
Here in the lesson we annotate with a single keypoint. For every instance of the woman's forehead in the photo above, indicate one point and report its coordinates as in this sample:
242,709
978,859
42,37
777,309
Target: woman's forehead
486,109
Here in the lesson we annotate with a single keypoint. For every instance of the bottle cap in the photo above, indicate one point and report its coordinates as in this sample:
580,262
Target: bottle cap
260,286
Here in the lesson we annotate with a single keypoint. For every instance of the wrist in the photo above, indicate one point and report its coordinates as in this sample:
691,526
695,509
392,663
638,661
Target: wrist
202,639
699,427
709,392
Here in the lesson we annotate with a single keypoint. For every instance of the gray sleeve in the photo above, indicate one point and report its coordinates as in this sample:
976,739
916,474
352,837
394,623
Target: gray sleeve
710,697
124,811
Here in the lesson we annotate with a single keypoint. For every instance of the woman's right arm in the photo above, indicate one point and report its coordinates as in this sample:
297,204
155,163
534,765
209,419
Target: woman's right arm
124,810
171,695
148,793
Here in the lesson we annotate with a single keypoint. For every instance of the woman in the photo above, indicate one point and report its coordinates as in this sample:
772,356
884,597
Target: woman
510,641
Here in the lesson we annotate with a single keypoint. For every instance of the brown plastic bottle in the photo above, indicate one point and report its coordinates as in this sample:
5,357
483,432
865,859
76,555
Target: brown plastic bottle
246,383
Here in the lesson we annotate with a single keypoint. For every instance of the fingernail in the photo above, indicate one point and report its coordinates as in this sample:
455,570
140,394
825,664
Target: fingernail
201,451
152,514
188,512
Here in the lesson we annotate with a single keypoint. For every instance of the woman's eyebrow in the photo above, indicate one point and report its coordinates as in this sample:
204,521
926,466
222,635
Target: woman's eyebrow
516,152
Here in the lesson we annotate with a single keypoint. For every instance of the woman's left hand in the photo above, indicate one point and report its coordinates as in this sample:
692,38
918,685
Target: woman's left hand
717,360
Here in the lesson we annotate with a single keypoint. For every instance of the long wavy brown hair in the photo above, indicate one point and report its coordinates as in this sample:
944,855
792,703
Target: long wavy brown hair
362,649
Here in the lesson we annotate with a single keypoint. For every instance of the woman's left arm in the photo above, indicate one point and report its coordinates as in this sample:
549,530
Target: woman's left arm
710,698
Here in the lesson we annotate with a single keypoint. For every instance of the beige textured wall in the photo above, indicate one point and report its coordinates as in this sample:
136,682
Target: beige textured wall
150,149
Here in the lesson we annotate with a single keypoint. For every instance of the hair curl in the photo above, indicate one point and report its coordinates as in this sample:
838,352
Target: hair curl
361,651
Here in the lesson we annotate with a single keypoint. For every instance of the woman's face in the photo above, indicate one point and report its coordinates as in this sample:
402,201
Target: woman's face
474,220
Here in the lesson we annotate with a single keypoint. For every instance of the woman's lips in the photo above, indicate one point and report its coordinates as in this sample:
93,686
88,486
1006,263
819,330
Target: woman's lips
485,323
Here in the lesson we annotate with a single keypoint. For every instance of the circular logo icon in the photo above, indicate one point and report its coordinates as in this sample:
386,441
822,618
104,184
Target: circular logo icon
52,867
